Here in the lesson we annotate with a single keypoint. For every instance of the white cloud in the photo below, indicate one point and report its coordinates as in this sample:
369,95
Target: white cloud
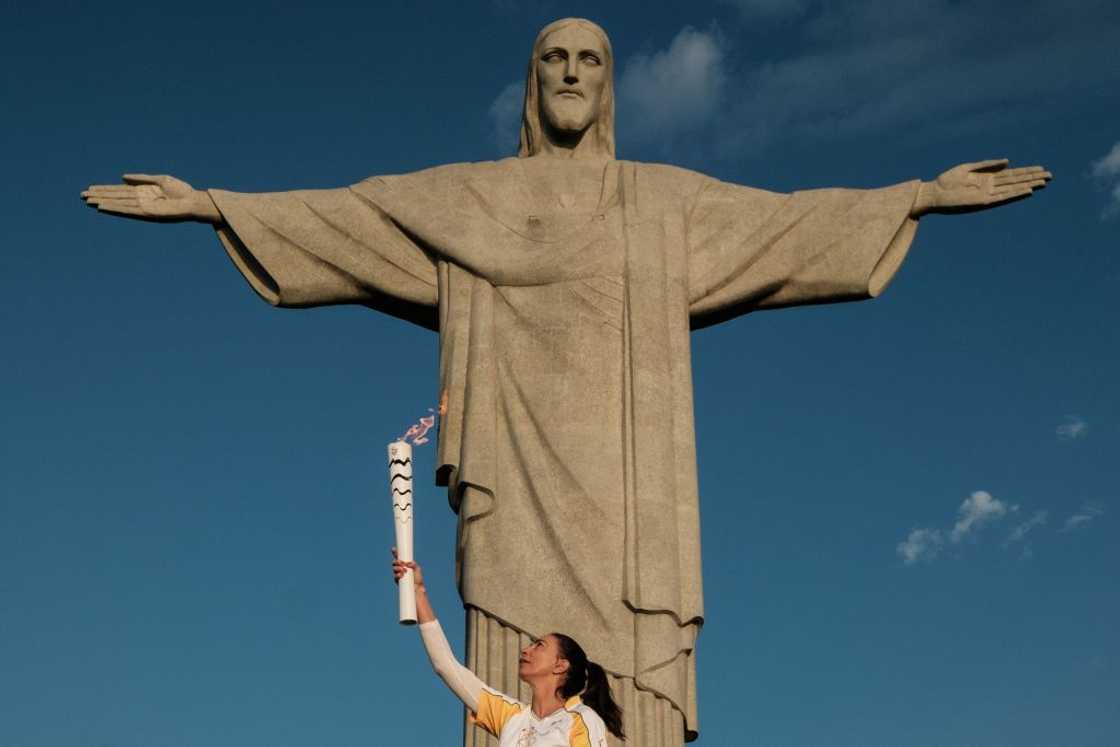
871,66
505,117
1084,516
978,509
1074,427
920,544
1109,165
1108,168
673,90
864,68
1020,532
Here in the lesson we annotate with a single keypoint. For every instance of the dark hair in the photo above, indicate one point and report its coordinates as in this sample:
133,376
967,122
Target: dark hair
587,679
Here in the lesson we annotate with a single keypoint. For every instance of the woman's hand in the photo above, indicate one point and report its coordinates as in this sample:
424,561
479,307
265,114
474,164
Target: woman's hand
978,186
424,611
400,567
161,199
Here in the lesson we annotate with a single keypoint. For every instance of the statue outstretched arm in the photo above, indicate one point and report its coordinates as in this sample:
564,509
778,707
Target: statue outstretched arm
752,250
157,198
978,186
296,249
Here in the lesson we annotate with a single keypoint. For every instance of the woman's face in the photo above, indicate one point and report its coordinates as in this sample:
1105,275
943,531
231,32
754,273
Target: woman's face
541,658
572,72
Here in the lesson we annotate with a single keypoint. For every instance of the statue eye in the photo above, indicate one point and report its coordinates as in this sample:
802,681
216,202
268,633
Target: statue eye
591,59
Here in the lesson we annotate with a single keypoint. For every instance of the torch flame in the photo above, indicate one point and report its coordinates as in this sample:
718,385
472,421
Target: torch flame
417,432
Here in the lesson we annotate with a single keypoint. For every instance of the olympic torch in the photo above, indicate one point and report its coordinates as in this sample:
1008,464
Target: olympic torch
400,490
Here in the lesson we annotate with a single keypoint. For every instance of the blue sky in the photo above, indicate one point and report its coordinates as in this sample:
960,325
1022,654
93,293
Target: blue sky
909,505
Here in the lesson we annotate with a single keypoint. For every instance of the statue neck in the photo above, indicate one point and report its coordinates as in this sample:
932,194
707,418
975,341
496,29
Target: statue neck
583,145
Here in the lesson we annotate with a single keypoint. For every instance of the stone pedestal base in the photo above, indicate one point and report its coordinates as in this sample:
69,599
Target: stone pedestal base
492,652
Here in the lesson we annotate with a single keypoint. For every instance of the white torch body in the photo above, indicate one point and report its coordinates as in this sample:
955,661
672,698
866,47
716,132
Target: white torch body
400,490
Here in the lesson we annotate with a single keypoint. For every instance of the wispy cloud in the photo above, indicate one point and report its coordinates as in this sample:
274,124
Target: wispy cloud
505,117
863,68
1083,517
974,513
1109,166
673,90
870,66
920,544
1107,169
978,509
1073,427
1020,532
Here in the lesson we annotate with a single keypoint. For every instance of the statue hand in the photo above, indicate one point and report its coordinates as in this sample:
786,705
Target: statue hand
979,186
163,199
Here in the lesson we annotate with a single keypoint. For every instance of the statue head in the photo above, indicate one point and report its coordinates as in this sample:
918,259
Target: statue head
569,89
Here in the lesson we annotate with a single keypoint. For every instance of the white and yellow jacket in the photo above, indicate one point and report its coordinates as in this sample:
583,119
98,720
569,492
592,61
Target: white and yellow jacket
511,721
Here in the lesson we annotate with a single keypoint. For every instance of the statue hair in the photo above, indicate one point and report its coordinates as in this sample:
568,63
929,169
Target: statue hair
532,129
588,680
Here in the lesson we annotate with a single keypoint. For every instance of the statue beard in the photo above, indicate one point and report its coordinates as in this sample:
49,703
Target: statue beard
566,121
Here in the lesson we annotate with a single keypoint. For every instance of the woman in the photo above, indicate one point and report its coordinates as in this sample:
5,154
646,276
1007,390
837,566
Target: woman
572,704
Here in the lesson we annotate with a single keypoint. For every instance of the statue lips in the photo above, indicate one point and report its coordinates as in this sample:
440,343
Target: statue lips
570,92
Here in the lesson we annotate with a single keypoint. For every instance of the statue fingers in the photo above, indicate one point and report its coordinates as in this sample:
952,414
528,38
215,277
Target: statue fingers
991,164
1021,176
1011,194
121,201
1022,171
95,191
109,188
1028,185
142,178
121,207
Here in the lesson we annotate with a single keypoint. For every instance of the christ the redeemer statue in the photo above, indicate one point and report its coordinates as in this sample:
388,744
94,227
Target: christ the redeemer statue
563,284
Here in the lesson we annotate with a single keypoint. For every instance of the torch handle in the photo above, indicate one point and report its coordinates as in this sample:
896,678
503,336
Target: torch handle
406,589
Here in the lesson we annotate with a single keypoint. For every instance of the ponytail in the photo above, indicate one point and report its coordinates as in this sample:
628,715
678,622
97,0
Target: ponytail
598,697
588,680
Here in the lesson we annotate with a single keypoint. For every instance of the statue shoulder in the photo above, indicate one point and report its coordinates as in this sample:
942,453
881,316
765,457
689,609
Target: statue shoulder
670,180
447,175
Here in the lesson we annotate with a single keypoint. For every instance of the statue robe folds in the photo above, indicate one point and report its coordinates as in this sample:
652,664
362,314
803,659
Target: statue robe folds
568,445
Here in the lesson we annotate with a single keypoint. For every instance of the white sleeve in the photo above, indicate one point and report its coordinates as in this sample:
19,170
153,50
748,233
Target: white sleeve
462,681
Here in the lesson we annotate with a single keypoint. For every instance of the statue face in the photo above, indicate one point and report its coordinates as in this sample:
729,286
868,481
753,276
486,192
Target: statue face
572,71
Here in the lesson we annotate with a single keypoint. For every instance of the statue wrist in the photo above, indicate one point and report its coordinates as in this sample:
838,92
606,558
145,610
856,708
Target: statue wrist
204,209
925,200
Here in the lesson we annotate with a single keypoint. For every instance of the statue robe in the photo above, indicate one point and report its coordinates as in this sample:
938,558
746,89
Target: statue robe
568,446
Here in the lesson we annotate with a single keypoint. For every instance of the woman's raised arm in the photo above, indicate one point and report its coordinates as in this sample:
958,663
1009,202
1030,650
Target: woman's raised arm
462,681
